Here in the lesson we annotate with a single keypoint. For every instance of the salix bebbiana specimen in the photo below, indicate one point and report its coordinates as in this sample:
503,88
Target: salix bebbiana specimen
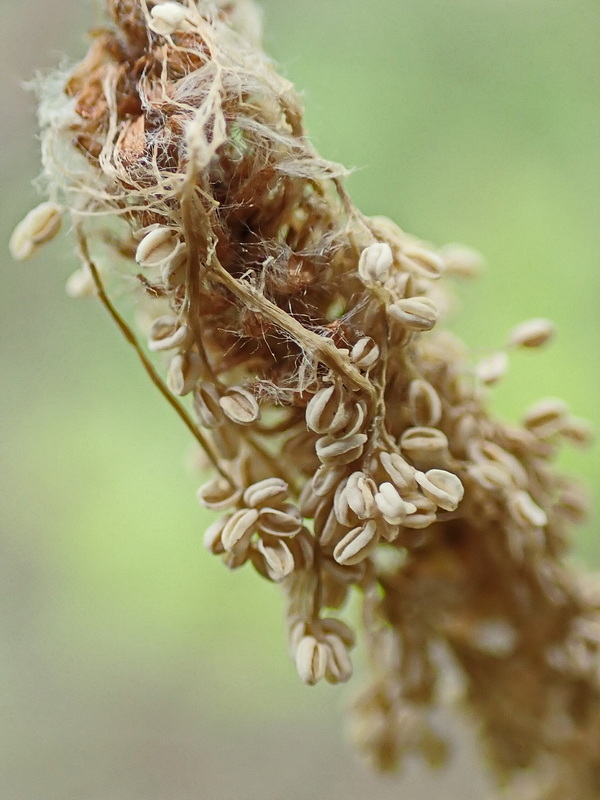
348,433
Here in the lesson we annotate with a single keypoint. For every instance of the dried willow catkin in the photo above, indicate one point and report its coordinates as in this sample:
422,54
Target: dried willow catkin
342,423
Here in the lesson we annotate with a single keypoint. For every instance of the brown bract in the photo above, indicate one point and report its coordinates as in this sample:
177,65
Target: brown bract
309,338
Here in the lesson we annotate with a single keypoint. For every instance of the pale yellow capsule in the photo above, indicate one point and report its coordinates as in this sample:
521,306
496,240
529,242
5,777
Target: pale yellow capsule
492,368
278,559
340,451
425,514
401,473
423,443
40,225
375,263
238,530
335,626
311,660
326,479
339,665
270,491
184,372
357,544
546,417
461,260
206,406
80,283
158,246
526,510
532,333
280,522
218,494
415,313
443,487
167,333
424,403
391,505
365,353
417,259
240,406
328,411
212,536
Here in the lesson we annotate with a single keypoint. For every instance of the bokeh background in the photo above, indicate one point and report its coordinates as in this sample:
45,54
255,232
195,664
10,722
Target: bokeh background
133,666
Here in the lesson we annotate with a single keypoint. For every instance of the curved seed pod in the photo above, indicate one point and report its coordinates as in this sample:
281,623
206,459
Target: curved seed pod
227,442
443,487
173,270
184,371
302,547
578,432
326,479
424,403
271,491
417,259
212,536
415,313
238,530
80,283
331,530
546,417
339,665
168,18
328,411
276,522
391,506
532,333
340,451
311,660
40,225
335,626
240,406
401,473
526,511
375,263
157,246
278,558
423,444
236,560
206,405
491,452
167,333
490,475
308,502
341,508
365,353
360,495
357,544
461,260
491,369
355,422
424,516
218,494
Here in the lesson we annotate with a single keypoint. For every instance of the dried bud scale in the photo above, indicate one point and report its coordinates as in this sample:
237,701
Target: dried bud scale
270,293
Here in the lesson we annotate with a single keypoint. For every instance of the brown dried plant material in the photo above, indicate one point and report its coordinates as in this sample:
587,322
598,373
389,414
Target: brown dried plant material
349,434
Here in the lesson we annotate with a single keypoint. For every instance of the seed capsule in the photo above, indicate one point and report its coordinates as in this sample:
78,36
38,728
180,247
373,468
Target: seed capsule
339,665
424,403
532,333
168,18
278,522
365,353
278,558
328,410
340,451
417,259
461,260
357,544
526,510
240,406
238,530
157,246
311,660
546,417
270,491
415,313
167,333
40,225
375,263
80,283
218,494
443,487
401,473
206,406
184,372
391,506
212,536
491,369
425,514
422,444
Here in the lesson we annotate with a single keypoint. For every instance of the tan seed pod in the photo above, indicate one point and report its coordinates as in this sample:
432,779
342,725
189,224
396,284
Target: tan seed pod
546,417
328,411
391,506
340,451
578,432
184,371
492,453
375,263
167,333
308,502
278,558
235,560
526,511
365,353
278,522
424,403
492,368
360,495
421,261
80,283
206,405
218,494
311,660
425,514
415,313
423,443
240,406
339,665
39,226
326,479
158,246
330,530
357,544
174,270
302,548
227,442
212,536
271,491
401,473
355,423
532,333
168,18
461,260
443,487
573,504
238,530
335,626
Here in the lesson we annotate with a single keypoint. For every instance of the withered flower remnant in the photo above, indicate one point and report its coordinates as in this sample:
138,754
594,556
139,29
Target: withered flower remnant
343,423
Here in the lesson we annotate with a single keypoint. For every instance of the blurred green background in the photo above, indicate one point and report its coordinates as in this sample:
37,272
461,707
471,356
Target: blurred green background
133,666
